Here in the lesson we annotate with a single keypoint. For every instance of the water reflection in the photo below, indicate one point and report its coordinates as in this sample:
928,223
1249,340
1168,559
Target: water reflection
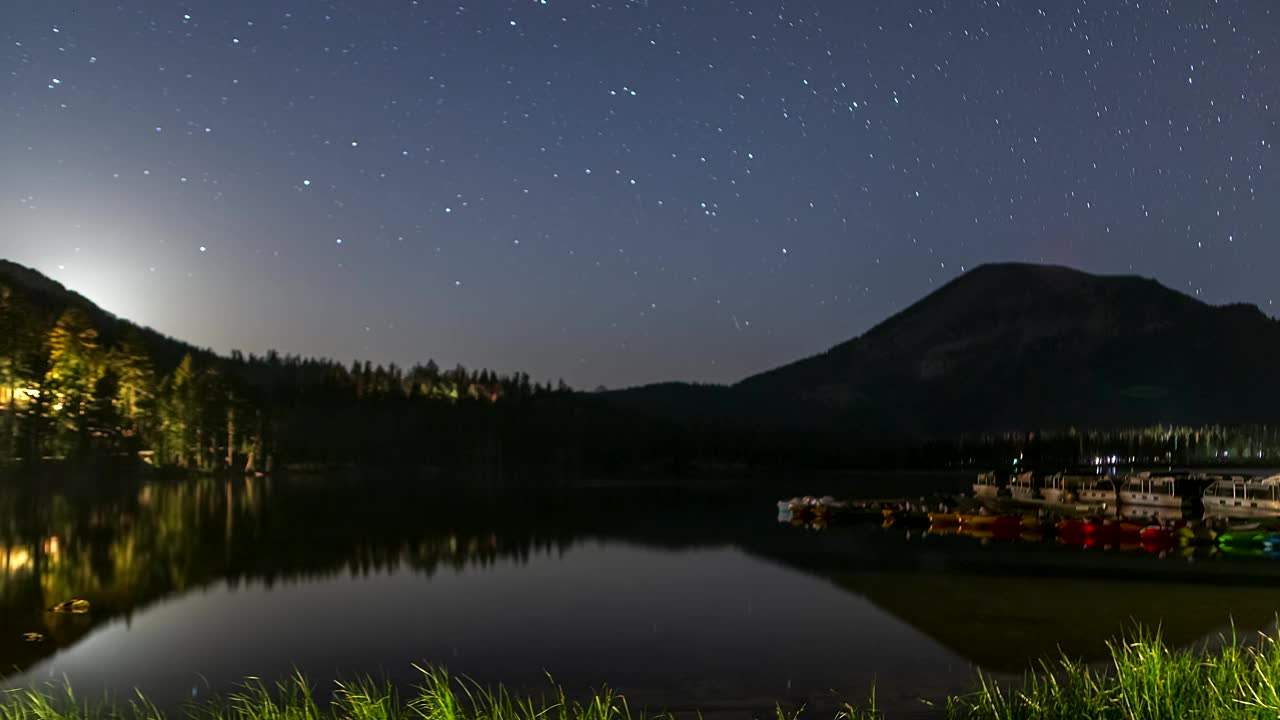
125,548
680,600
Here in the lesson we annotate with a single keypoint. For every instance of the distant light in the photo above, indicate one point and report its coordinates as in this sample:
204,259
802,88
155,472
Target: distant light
339,241
306,183
203,248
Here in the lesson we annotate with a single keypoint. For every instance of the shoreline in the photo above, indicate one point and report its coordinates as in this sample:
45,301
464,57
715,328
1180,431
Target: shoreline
1145,678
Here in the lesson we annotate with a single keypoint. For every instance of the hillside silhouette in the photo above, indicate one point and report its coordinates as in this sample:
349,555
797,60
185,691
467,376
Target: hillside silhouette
79,384
1085,364
1010,347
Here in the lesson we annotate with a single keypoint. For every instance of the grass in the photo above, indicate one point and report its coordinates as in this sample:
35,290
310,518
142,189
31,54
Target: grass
1145,680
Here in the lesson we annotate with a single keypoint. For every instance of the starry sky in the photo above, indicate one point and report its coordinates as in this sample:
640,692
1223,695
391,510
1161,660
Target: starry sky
619,192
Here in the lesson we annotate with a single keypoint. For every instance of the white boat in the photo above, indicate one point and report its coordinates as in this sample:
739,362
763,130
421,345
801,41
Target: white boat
1023,486
1062,488
1238,496
1097,490
987,485
1154,490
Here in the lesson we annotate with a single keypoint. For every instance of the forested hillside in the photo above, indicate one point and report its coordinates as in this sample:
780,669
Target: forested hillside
79,383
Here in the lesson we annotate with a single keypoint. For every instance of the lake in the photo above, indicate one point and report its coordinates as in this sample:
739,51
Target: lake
681,600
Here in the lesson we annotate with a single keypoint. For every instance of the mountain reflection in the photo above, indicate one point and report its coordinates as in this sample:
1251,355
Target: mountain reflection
126,546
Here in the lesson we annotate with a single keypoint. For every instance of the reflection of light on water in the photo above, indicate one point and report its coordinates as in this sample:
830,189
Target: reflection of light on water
16,559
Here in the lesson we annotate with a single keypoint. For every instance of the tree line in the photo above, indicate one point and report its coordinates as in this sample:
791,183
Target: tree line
68,390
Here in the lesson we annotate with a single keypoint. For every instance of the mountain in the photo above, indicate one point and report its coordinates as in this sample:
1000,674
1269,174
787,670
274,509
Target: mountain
46,299
1017,347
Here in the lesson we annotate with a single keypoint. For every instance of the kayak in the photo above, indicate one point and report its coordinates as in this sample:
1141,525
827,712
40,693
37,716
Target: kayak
944,519
1158,542
1195,536
1071,528
1242,538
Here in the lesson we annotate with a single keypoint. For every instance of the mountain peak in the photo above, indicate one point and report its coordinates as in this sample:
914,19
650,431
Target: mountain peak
1018,346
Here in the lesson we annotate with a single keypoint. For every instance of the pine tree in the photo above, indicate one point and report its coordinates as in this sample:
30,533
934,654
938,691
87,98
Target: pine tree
179,416
75,366
136,387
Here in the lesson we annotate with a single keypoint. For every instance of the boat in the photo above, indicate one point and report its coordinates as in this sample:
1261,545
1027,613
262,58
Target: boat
1146,489
1238,496
1196,535
1023,486
1243,538
1057,488
976,520
1063,489
987,485
1149,514
941,520
1097,490
1072,528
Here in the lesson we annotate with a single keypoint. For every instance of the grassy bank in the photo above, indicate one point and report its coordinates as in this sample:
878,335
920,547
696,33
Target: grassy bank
1145,680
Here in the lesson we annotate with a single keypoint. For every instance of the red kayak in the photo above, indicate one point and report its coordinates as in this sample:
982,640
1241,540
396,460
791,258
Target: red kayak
1071,527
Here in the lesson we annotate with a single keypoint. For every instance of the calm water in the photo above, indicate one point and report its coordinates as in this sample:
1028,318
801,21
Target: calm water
679,601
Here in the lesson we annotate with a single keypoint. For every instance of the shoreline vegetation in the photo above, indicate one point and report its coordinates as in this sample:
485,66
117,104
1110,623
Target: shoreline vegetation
1144,680
81,387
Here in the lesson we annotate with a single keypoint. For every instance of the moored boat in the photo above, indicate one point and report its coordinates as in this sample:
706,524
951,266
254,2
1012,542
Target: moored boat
1196,534
941,520
1057,488
1097,490
1155,490
1238,496
987,485
1023,486
1243,538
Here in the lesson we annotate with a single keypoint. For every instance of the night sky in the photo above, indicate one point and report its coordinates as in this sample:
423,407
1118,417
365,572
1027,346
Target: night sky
620,192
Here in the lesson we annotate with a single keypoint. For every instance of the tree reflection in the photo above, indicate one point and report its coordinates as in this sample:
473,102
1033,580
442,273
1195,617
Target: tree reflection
138,543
